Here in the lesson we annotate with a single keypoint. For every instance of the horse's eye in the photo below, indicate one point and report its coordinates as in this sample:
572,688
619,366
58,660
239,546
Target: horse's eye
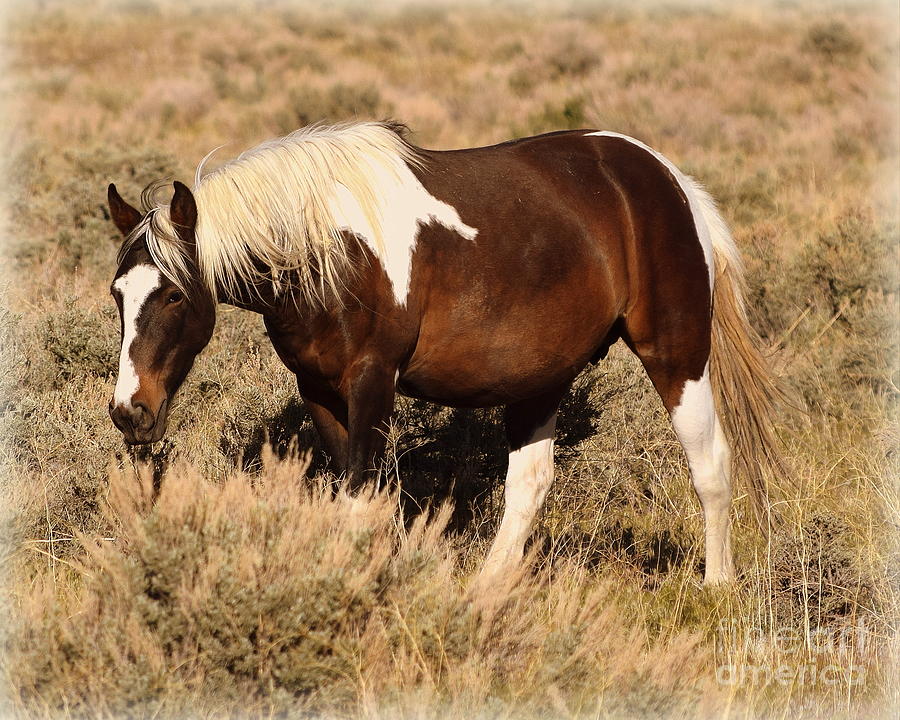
175,297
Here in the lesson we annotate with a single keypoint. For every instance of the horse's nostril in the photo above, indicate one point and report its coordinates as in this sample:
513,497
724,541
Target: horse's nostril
141,417
120,418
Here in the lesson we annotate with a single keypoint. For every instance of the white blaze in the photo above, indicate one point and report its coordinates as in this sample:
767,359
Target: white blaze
403,204
135,286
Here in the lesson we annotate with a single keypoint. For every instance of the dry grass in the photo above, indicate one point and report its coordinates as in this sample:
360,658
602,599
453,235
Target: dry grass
231,585
262,594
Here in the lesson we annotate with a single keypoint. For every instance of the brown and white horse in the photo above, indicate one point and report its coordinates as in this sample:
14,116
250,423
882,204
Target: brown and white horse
471,278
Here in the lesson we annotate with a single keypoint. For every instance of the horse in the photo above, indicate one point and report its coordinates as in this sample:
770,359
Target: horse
479,277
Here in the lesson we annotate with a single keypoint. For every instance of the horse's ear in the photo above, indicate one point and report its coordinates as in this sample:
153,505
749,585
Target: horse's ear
123,215
183,212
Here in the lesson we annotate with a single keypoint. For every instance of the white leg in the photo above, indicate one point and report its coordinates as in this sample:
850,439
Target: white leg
528,477
709,459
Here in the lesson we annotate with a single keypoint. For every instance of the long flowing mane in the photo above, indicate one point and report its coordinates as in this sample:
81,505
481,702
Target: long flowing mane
268,215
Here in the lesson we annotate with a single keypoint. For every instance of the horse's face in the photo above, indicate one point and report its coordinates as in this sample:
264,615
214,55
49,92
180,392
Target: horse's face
162,330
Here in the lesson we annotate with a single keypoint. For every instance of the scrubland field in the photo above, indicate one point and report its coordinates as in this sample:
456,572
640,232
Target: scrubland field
215,576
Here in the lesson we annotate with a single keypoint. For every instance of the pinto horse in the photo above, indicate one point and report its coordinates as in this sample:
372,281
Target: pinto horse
471,278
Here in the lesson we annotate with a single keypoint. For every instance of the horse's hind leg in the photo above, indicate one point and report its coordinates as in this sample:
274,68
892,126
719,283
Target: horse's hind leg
530,428
675,354
700,433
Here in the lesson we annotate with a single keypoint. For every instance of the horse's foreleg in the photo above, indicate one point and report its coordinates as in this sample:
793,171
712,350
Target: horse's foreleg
370,402
329,415
530,428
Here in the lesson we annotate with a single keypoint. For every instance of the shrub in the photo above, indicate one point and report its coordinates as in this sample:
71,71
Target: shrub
568,116
82,343
522,81
816,573
270,595
65,213
339,102
846,282
573,60
833,41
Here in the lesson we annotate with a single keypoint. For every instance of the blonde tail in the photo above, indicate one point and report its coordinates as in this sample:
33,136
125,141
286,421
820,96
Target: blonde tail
746,394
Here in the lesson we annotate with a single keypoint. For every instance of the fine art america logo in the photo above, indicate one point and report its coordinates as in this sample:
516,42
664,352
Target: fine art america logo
832,656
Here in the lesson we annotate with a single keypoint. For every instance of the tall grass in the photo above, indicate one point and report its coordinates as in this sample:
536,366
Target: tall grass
266,594
216,574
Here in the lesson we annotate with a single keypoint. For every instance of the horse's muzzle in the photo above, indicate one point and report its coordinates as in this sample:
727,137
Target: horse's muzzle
138,423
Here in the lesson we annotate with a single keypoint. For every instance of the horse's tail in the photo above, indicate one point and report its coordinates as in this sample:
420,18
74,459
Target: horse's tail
746,393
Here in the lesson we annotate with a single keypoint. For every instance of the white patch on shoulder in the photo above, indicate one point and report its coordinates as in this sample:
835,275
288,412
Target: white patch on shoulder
403,205
690,189
135,286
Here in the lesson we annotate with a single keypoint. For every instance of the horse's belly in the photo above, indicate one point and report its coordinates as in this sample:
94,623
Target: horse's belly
497,361
482,390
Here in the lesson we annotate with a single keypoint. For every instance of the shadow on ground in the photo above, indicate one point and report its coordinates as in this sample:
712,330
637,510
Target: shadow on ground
438,453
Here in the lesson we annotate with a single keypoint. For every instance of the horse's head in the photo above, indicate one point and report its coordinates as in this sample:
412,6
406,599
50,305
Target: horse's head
164,325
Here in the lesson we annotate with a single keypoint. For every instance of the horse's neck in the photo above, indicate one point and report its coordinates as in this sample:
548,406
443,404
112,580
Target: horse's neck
263,298
283,310
321,339
253,304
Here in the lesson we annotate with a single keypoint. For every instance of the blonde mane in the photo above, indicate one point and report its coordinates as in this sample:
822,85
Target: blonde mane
268,215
